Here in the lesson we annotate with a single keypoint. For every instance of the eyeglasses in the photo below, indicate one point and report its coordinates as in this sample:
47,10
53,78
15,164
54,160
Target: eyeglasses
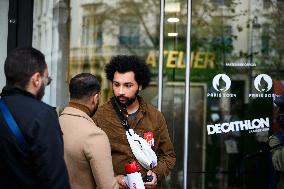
47,81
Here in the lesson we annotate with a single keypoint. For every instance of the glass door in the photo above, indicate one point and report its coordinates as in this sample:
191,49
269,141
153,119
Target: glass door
236,49
173,85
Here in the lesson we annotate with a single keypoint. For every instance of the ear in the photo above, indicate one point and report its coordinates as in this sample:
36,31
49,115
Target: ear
36,80
140,87
95,98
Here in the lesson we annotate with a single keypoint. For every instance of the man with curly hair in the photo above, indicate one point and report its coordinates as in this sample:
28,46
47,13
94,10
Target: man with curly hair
129,75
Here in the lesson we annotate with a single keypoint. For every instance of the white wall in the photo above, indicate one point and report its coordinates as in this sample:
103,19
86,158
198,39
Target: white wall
4,6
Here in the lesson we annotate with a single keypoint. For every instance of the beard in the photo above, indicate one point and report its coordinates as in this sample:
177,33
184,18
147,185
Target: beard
40,92
95,109
127,100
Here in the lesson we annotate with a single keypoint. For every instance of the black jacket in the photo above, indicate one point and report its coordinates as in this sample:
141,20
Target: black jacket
42,166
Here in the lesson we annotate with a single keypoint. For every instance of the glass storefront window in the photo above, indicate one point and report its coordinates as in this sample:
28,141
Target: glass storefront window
4,7
236,70
50,36
100,30
173,101
242,79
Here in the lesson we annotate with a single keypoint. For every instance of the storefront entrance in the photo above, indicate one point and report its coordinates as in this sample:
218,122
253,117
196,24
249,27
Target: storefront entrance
234,71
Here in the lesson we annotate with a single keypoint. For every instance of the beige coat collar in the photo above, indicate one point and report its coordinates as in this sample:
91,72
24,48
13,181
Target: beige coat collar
76,112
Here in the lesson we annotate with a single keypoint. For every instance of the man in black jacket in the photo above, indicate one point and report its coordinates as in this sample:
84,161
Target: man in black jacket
41,165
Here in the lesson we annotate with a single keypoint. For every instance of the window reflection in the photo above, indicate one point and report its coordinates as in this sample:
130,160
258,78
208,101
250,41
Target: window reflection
100,30
241,36
129,31
4,7
241,39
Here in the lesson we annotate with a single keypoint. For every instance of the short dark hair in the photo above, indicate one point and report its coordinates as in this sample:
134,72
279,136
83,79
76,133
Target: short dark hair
21,63
83,86
279,101
126,63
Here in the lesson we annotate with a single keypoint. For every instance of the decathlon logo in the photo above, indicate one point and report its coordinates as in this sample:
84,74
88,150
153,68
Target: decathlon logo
221,82
253,126
263,83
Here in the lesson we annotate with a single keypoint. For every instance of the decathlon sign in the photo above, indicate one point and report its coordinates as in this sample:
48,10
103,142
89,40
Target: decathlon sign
253,126
221,83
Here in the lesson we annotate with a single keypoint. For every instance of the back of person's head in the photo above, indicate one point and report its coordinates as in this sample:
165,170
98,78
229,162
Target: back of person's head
127,63
83,86
279,101
21,63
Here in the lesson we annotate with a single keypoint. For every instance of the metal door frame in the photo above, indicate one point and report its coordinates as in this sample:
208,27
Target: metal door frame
187,80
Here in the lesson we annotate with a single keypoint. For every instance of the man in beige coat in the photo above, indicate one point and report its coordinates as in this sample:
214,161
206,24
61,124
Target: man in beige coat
86,147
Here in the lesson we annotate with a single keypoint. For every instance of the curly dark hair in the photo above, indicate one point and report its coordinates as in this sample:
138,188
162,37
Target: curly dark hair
126,63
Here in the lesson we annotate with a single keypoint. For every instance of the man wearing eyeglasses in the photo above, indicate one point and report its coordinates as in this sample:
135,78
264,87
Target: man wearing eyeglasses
35,161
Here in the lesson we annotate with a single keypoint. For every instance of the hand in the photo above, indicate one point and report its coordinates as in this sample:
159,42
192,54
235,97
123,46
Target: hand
153,183
277,154
121,181
278,159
